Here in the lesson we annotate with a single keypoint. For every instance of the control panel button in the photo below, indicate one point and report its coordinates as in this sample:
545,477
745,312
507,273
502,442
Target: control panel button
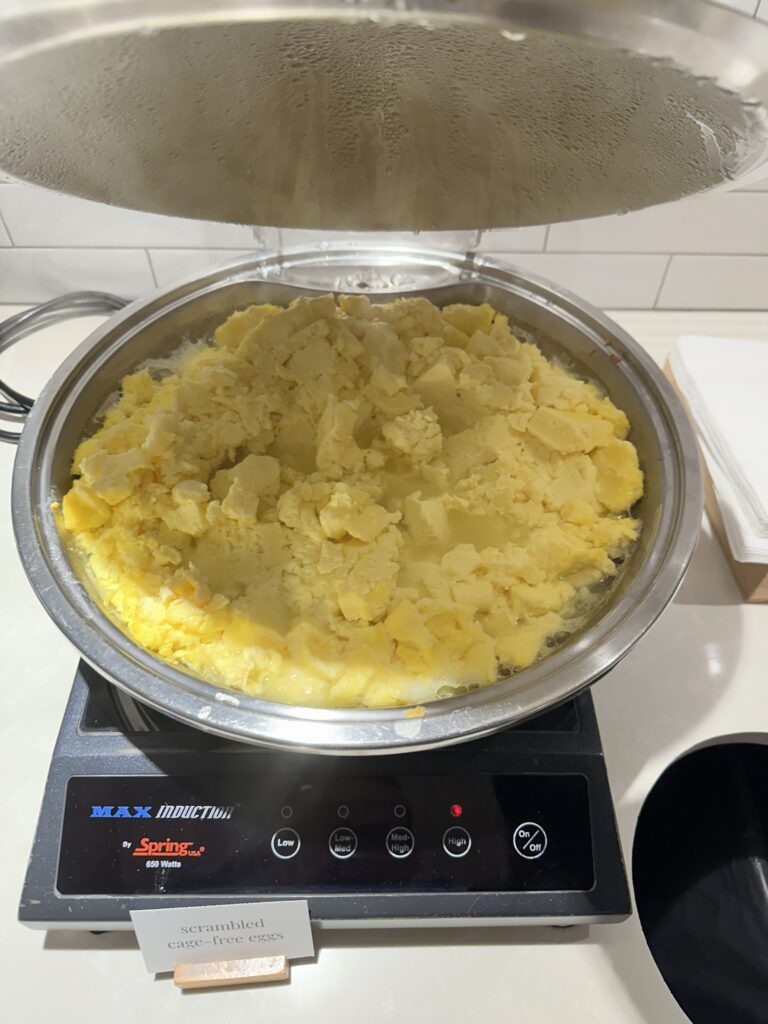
530,840
342,843
285,843
457,841
400,843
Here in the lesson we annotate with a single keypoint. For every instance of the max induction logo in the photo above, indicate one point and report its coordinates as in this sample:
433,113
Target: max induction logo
197,812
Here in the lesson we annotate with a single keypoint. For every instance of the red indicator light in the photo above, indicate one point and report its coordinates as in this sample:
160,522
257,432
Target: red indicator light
456,810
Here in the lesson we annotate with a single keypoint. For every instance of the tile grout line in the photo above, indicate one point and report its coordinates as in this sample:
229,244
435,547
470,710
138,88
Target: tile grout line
662,282
176,247
546,238
136,247
7,231
151,267
515,252
631,252
143,247
662,310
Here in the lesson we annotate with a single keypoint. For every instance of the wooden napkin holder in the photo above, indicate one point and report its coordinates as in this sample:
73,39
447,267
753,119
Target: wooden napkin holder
221,973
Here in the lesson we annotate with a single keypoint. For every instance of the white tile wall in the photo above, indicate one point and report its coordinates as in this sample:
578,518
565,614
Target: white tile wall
762,10
745,6
626,281
513,240
735,222
756,186
58,242
33,275
36,217
622,281
715,282
530,239
4,237
170,265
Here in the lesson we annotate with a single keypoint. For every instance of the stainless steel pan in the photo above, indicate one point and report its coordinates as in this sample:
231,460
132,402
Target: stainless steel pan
558,321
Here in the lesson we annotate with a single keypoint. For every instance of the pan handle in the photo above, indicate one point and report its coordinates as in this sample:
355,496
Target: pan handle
14,405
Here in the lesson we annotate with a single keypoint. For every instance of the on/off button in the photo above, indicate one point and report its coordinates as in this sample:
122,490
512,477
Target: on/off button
530,840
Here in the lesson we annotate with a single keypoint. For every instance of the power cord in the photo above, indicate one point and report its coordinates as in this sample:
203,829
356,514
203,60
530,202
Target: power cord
17,405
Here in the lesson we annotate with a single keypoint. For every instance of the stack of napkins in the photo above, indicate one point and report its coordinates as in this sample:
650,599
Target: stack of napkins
725,381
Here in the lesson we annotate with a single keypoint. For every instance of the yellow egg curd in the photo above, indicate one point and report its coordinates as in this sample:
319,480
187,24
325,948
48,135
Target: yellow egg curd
354,505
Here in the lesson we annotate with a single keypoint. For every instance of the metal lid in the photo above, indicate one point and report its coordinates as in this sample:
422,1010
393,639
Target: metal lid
382,115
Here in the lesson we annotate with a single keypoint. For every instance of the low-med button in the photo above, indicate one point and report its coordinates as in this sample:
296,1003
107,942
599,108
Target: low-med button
285,843
400,842
342,843
457,841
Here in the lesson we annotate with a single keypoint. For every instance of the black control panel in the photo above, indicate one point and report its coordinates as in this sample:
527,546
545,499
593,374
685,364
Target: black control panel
147,835
143,812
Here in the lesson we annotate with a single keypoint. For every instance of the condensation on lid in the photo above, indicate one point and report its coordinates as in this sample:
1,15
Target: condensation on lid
427,116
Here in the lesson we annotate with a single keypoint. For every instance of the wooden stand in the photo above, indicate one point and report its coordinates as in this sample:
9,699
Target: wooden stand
232,972
751,577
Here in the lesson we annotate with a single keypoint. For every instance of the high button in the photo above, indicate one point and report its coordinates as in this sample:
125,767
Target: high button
457,841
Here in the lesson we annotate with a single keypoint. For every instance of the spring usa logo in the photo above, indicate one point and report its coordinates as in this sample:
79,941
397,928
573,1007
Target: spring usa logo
167,848
198,812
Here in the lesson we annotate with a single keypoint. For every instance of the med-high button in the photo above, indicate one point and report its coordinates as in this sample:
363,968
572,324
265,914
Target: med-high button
286,843
400,842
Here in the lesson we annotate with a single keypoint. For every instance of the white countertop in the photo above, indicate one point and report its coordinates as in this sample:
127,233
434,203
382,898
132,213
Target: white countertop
699,674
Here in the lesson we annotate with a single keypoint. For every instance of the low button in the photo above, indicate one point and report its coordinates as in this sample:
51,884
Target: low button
457,841
286,843
342,843
400,842
530,840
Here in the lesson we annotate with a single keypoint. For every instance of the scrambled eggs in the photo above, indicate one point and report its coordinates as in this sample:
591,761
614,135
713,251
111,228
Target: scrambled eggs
354,504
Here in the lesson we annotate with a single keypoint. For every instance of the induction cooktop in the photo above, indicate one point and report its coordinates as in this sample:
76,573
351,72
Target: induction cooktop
141,811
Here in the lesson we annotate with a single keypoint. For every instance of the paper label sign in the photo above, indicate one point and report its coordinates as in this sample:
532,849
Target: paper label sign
234,931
